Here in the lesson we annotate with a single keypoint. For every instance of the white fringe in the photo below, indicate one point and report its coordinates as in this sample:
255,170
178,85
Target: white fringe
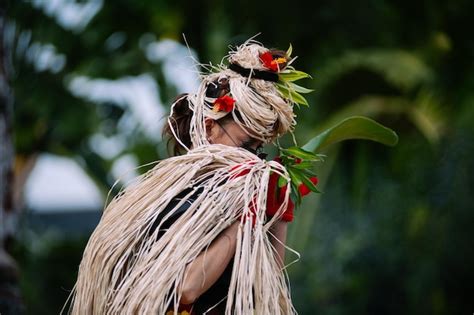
124,270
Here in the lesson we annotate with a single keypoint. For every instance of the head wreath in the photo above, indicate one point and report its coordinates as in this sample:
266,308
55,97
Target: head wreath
256,87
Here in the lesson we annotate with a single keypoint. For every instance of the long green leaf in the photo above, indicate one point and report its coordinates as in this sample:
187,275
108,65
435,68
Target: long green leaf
298,98
289,51
296,176
301,153
310,184
293,75
299,88
356,127
285,93
291,95
304,165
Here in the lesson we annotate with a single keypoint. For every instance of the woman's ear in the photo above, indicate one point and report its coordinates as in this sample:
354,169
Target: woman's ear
209,123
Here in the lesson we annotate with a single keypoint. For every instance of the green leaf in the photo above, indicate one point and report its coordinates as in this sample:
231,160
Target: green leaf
296,180
308,172
283,90
300,153
295,175
303,178
289,51
310,184
356,127
295,196
291,95
299,88
282,181
303,165
298,98
293,75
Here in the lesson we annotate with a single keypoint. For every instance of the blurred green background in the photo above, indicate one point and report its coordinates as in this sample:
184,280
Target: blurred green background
393,231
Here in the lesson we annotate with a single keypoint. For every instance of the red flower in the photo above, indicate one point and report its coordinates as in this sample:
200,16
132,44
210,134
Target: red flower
224,103
267,59
275,199
304,190
270,63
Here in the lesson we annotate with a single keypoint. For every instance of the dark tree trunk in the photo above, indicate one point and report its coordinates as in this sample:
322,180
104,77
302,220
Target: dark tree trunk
10,302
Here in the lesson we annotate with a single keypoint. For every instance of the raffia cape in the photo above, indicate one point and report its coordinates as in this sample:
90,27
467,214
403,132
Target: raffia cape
125,270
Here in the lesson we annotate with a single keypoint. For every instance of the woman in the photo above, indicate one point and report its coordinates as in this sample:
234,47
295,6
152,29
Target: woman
204,231
206,291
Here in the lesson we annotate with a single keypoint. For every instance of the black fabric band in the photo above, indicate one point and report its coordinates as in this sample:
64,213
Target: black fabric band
256,74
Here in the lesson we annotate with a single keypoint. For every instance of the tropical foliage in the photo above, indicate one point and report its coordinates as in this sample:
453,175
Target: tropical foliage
391,232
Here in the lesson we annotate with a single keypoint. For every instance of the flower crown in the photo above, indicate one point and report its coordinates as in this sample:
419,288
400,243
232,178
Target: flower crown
278,69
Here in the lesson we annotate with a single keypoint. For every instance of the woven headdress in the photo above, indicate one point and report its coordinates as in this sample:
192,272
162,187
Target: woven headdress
259,93
127,269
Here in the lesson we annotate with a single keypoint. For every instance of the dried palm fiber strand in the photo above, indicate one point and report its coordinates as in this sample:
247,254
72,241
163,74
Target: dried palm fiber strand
126,270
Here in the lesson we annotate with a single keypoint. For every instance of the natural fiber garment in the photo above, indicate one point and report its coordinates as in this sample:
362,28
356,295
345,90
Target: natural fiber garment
126,270
131,266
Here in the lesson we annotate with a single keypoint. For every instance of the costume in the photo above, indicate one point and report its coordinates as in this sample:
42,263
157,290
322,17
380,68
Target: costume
135,260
